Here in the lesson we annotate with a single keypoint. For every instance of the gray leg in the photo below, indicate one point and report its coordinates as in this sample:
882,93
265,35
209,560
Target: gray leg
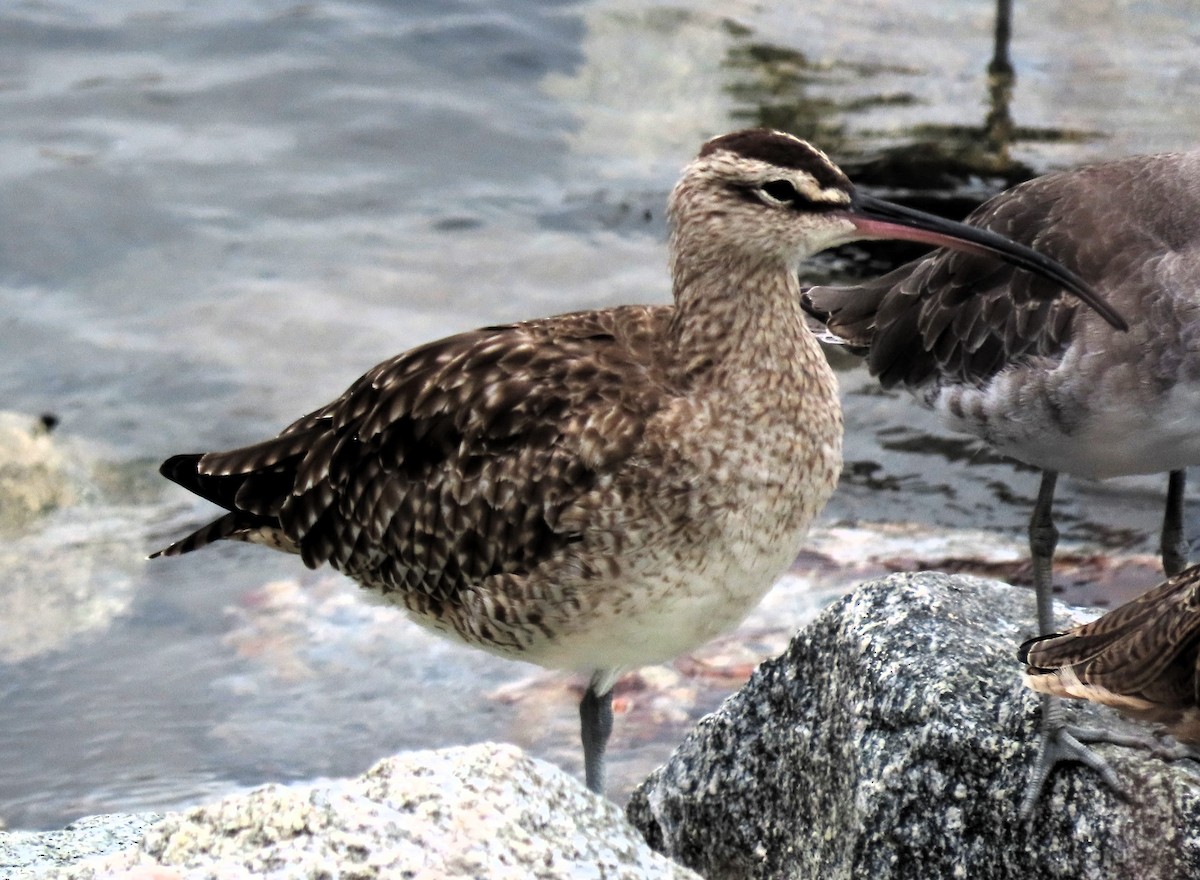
1174,546
1059,742
595,726
1043,538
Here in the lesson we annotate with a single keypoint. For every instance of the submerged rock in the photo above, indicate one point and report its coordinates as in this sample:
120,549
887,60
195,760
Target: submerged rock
479,811
64,546
34,476
894,739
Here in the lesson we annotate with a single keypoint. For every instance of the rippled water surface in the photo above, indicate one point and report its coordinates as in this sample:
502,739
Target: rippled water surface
213,216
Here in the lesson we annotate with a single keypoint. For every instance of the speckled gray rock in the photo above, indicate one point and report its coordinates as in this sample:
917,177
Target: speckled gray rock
894,739
474,812
30,854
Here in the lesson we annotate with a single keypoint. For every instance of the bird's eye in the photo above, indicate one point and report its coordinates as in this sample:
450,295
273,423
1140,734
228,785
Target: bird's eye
781,191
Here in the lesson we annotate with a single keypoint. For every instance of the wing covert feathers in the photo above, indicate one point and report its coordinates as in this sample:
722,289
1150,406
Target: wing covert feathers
1140,657
450,463
954,314
964,317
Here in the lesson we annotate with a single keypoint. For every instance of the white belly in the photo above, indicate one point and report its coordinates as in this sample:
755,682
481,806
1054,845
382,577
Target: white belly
1094,426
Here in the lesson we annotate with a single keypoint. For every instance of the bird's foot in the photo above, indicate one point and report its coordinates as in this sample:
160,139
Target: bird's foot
1067,742
1061,743
1162,747
1170,749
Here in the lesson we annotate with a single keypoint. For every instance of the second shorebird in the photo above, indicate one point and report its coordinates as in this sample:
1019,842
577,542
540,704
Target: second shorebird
600,490
1004,356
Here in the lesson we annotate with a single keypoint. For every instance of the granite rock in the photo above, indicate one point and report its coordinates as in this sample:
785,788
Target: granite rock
894,739
470,812
29,854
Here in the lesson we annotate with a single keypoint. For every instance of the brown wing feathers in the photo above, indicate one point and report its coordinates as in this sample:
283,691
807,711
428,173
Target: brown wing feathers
1145,649
442,466
954,314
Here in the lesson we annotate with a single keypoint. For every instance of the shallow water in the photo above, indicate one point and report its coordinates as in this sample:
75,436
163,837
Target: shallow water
214,216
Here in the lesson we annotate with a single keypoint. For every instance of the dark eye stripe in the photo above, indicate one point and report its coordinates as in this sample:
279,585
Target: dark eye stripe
792,197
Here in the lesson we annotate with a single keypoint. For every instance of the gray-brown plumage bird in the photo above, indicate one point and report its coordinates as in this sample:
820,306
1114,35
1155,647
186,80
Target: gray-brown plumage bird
1007,357
599,490
1142,658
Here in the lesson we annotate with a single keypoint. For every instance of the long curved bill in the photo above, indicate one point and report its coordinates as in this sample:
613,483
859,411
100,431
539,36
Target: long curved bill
876,218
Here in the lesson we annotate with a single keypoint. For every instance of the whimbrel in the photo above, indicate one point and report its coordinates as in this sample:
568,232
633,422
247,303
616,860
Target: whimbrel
599,490
1142,658
1004,356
